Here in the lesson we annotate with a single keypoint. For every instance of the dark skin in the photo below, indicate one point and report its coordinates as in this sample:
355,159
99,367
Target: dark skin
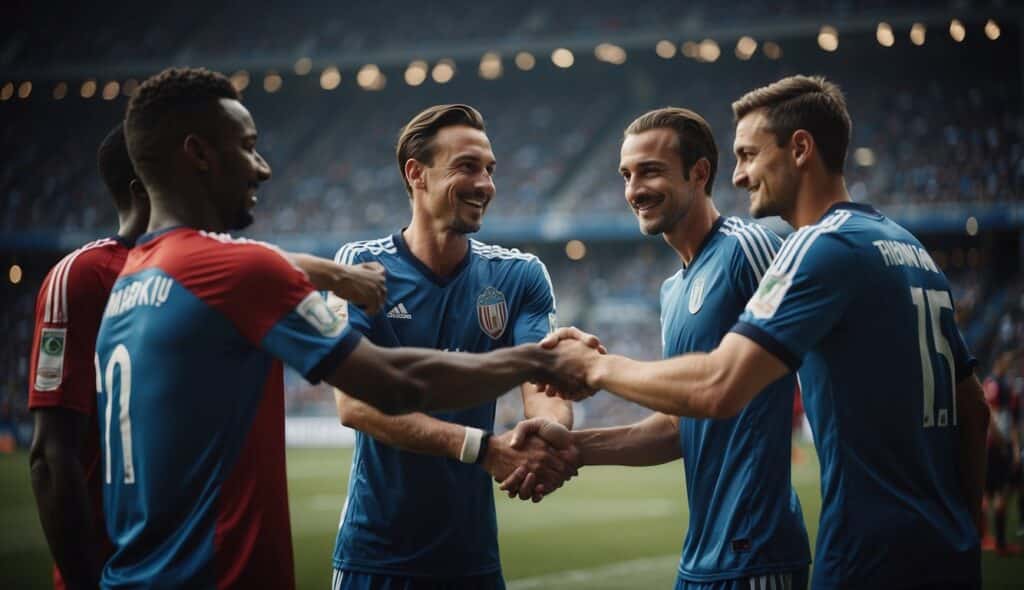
58,478
209,182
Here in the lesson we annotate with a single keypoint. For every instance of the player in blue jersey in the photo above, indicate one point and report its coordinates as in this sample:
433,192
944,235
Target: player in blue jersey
855,303
746,527
420,507
189,357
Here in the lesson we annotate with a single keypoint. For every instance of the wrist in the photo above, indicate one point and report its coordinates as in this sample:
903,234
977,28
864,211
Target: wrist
472,442
485,446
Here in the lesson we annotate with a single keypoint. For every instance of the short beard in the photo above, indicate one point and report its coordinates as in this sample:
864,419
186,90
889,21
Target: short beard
242,220
461,227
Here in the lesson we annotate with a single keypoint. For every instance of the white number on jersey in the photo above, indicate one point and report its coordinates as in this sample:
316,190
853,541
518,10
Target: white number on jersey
121,359
929,304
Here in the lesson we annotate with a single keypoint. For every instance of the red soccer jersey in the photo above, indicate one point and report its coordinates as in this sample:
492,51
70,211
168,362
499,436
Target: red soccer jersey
62,374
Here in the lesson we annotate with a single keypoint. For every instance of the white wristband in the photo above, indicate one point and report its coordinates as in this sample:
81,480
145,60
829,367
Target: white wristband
471,445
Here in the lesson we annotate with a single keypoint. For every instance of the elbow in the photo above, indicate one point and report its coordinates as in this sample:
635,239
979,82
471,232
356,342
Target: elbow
720,406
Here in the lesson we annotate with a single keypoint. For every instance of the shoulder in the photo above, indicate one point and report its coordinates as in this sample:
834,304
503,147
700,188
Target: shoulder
812,246
80,277
500,255
751,244
353,252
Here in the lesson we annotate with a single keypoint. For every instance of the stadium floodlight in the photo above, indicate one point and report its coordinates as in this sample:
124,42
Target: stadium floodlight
272,82
416,73
7,91
370,77
992,30
864,157
443,71
88,89
60,90
525,61
745,48
562,57
709,51
24,90
690,49
575,250
772,50
665,49
610,53
490,66
828,38
330,78
917,34
14,274
972,226
957,30
129,87
884,34
240,80
303,66
111,90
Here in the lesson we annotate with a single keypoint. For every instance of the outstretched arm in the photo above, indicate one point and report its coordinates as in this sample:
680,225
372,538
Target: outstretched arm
652,441
973,414
360,284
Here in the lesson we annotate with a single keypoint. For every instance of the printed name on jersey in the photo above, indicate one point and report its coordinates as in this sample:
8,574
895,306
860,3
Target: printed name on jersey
697,289
50,367
315,311
153,291
492,312
896,253
769,295
399,312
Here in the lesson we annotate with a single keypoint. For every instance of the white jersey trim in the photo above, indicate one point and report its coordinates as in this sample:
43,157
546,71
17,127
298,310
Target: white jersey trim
756,245
57,290
492,252
796,247
347,253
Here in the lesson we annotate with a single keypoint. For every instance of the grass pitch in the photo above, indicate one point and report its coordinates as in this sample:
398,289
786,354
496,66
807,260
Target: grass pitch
611,528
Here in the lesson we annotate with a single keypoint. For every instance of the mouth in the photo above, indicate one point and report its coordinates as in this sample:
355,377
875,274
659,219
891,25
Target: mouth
475,202
645,203
252,199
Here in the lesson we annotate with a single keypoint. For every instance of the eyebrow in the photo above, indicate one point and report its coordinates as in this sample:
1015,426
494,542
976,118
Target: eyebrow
472,158
644,164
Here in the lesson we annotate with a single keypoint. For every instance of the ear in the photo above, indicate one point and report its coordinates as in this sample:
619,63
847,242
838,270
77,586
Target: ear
198,152
415,173
701,173
138,190
802,146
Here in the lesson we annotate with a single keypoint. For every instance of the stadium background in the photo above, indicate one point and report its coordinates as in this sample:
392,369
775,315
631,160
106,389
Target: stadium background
934,88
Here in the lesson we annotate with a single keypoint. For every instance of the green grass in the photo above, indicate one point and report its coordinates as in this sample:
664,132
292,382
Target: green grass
611,528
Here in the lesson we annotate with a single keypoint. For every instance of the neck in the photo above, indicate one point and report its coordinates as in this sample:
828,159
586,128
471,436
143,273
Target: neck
439,249
689,233
168,209
815,196
131,224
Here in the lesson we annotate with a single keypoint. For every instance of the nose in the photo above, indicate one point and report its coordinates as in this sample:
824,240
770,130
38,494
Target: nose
632,186
739,176
485,184
262,168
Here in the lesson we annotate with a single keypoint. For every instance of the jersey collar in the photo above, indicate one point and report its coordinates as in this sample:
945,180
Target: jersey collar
704,243
406,253
144,238
850,205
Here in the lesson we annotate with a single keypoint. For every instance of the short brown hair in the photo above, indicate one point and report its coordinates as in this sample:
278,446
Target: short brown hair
811,103
695,138
164,108
416,139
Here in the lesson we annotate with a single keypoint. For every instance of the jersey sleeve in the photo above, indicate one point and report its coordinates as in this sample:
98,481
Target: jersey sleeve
355,315
275,307
963,361
755,248
67,316
537,317
801,297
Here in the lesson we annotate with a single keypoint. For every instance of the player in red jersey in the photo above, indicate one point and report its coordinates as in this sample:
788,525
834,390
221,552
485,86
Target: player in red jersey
65,453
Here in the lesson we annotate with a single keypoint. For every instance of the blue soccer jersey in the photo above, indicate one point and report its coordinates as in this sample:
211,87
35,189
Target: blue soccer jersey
410,514
857,303
191,409
745,517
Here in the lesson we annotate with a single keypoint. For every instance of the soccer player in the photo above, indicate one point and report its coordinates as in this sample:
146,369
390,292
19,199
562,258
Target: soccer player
420,506
191,404
65,453
855,303
746,528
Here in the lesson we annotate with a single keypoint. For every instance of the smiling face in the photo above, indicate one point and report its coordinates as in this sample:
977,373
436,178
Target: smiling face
766,170
237,169
657,190
459,182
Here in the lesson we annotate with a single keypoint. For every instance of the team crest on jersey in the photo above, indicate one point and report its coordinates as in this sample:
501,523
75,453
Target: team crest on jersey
50,367
768,297
315,311
492,312
696,294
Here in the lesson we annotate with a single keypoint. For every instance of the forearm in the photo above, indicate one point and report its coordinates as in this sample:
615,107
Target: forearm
65,513
973,416
539,405
681,386
652,441
418,433
458,380
322,273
